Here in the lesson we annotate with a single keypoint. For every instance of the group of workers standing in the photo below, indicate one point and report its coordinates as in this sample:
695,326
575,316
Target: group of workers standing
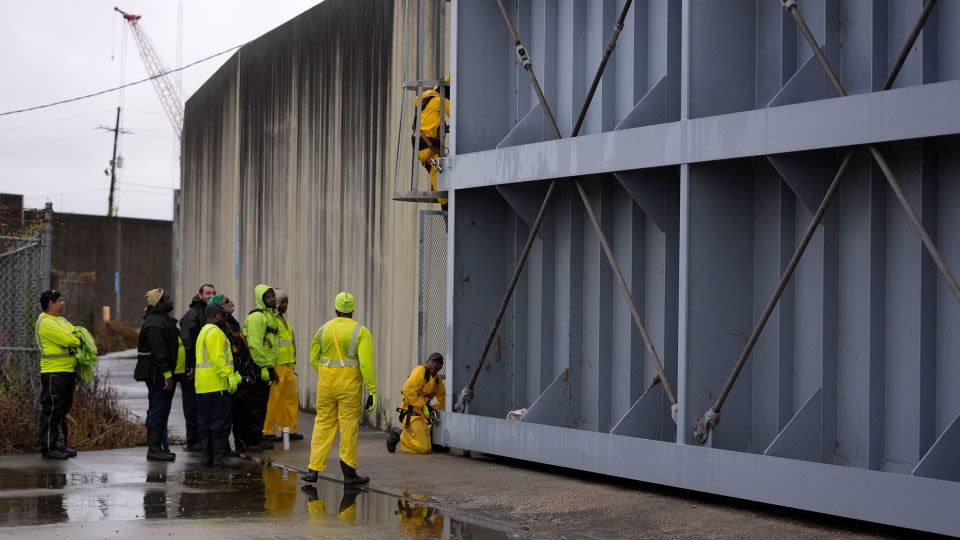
233,377
242,378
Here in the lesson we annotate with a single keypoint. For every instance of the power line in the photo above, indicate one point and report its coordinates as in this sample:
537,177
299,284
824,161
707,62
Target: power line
114,89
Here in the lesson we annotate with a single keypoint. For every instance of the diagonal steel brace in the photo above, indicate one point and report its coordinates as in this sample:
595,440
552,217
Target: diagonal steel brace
711,418
467,393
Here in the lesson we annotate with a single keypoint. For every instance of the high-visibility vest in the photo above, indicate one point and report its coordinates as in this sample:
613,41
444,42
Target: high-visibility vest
54,334
286,353
214,360
351,358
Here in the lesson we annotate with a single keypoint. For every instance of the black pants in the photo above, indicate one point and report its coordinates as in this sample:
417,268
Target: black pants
214,415
159,402
188,395
56,398
249,412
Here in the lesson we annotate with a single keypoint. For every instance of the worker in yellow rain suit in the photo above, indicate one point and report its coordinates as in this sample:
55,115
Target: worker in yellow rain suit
283,407
215,381
428,146
342,354
417,415
57,375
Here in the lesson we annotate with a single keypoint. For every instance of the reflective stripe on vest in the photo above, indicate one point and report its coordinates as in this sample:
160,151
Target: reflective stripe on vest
351,359
36,335
206,362
286,342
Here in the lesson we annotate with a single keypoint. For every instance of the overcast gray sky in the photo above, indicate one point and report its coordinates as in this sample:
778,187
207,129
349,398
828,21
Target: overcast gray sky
56,50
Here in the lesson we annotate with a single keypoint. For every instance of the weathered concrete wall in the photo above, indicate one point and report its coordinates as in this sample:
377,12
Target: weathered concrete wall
143,261
288,158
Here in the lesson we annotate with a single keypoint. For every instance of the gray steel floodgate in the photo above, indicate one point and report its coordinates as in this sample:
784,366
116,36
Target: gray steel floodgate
705,154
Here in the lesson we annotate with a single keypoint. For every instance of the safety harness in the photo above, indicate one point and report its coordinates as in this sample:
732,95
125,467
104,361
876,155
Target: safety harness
351,358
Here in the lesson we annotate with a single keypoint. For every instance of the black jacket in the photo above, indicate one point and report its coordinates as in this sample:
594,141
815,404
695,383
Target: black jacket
242,360
157,347
190,325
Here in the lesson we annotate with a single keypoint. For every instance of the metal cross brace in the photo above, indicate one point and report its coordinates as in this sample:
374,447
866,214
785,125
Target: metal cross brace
467,393
711,418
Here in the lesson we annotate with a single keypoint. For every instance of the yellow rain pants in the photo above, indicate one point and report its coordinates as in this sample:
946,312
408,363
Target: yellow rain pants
339,390
283,407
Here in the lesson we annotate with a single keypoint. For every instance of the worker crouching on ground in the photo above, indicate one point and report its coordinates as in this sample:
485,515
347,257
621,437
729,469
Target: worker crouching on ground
58,377
158,348
342,354
283,407
215,381
260,329
417,415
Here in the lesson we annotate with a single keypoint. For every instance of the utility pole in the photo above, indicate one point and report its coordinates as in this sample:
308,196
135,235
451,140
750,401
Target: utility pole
113,162
113,165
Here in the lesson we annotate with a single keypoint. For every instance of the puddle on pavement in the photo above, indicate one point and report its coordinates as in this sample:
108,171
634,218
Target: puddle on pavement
29,497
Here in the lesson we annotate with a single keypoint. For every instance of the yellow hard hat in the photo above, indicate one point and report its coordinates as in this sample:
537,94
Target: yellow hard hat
344,302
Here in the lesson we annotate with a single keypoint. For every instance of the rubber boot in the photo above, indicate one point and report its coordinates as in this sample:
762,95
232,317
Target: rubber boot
70,452
350,476
393,440
311,475
55,454
221,457
165,444
154,451
207,447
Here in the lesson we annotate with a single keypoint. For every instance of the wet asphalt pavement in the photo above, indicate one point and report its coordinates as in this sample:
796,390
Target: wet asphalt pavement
118,494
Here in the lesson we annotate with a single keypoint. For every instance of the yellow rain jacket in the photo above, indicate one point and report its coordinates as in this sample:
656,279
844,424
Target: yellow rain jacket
260,327
54,338
214,360
418,391
342,354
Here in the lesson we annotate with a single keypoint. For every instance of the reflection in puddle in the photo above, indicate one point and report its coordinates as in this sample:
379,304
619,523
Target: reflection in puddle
193,492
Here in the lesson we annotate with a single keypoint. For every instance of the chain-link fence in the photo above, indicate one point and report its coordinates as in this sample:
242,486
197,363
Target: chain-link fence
432,320
24,272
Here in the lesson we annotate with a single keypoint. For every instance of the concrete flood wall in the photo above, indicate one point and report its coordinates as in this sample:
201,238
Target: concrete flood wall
288,157
708,147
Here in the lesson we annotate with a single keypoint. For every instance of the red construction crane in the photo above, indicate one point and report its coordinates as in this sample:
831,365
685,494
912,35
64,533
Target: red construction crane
166,90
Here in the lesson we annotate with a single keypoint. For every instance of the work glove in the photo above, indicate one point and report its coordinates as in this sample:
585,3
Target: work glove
265,375
234,381
371,403
431,415
274,378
